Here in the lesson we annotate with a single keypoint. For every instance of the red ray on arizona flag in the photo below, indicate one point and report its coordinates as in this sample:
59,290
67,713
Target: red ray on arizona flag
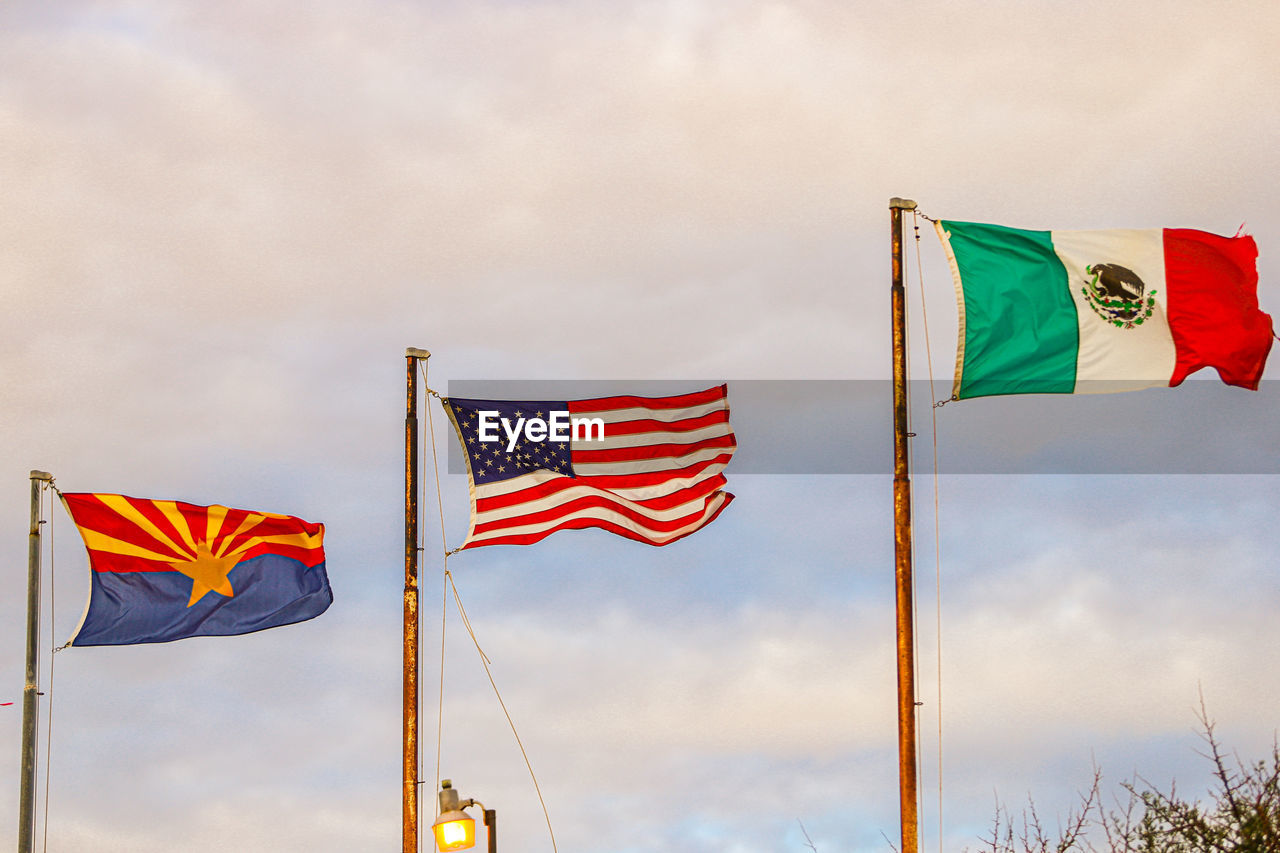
164,570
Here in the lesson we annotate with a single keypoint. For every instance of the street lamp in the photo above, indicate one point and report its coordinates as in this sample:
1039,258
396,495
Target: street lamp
454,829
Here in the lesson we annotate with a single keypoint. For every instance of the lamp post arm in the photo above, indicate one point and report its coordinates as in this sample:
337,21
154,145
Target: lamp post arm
490,821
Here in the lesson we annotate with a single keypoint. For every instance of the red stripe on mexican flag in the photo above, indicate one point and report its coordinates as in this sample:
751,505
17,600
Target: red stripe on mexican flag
1213,306
1083,311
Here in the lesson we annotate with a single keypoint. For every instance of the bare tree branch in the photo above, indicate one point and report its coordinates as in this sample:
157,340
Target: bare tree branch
1241,814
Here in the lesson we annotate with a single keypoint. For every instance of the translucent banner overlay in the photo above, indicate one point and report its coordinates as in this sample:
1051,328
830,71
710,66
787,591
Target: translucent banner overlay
792,426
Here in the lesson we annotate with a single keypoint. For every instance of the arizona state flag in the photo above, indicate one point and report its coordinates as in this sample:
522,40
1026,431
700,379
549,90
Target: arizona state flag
165,570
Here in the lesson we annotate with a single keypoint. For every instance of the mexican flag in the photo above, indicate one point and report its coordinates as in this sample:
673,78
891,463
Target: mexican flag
1068,312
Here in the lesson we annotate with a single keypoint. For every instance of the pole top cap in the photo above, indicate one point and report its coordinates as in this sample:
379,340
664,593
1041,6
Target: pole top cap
896,203
42,475
414,352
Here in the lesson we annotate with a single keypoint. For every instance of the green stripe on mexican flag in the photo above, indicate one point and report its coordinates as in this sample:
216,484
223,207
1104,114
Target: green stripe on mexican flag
1066,312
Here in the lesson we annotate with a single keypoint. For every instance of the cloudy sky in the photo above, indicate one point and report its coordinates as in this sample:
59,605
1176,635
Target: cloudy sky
223,223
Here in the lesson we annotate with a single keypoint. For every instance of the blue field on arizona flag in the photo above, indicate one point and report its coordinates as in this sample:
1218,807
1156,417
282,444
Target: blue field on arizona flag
165,570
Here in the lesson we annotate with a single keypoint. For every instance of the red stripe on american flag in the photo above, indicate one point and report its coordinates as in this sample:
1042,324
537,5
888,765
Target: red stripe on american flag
488,503
576,506
581,523
680,401
648,451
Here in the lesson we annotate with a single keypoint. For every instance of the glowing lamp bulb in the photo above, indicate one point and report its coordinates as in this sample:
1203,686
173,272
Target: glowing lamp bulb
455,831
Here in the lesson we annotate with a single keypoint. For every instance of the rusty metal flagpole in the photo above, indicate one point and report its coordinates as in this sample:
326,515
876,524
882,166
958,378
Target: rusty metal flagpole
409,813
902,544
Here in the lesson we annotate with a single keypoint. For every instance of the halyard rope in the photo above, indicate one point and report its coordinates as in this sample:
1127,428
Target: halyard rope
937,542
444,588
484,660
48,731
462,612
915,650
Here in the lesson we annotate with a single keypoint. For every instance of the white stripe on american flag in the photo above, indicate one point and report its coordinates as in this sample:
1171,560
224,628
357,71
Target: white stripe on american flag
641,439
634,493
640,466
613,416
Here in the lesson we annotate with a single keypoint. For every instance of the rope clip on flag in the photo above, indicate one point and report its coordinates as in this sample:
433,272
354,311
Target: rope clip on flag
163,570
647,468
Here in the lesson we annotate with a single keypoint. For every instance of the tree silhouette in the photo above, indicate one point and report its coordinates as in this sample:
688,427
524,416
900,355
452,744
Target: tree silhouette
1240,815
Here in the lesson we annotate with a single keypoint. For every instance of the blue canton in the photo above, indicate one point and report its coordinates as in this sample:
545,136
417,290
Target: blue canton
490,461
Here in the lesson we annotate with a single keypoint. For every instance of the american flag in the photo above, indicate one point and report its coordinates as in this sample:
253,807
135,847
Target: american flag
655,476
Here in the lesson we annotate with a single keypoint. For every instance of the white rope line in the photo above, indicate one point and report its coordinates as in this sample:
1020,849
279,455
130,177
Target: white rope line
418,552
911,512
48,731
937,535
444,587
444,609
484,660
35,735
435,463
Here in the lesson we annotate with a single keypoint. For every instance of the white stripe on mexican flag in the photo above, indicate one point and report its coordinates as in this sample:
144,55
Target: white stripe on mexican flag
1087,311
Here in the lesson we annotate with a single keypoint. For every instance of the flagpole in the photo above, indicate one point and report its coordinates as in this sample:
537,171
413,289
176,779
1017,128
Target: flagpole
907,795
409,812
30,690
